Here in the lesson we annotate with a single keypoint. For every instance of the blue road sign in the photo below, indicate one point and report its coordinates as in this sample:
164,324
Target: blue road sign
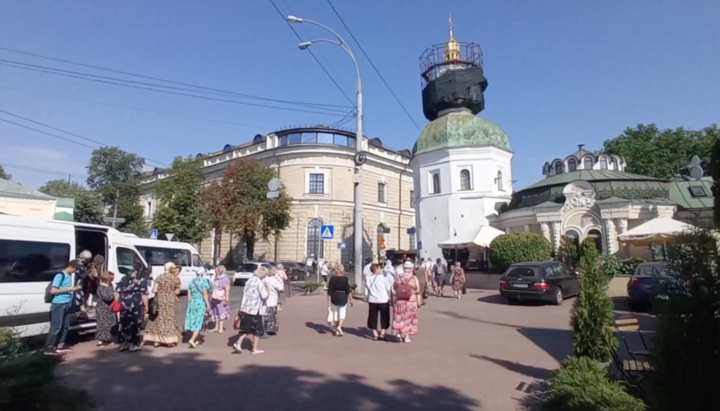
327,232
153,234
419,245
411,230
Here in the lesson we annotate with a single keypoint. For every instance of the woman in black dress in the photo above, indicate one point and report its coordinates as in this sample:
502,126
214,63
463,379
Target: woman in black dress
133,292
106,329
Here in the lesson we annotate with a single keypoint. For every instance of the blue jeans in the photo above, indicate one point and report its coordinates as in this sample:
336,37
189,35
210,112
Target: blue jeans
59,324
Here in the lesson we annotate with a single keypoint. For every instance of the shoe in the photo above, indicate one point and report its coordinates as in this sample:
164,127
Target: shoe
193,344
63,350
124,347
339,332
257,352
156,345
407,339
237,349
134,348
99,344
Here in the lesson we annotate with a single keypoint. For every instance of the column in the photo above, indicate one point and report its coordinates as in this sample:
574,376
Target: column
622,228
527,228
545,230
609,235
556,235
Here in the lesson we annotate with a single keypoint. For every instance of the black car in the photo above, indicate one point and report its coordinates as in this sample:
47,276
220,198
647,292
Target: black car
296,271
549,281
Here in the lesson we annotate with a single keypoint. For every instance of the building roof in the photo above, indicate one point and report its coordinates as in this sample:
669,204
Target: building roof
591,175
682,194
11,188
460,129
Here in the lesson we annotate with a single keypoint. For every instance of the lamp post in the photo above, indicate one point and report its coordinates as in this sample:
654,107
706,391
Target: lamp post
359,157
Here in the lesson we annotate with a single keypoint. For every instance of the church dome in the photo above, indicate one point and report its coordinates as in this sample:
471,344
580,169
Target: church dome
460,129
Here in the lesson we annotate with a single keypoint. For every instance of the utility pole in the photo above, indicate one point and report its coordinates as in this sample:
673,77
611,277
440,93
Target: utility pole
117,197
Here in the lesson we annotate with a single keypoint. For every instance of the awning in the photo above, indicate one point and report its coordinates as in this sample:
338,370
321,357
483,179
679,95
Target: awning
657,229
480,237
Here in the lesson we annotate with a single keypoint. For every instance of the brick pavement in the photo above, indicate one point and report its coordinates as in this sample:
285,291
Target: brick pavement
469,354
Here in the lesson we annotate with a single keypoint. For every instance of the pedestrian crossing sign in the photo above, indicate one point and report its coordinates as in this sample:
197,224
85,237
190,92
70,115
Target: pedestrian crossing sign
327,232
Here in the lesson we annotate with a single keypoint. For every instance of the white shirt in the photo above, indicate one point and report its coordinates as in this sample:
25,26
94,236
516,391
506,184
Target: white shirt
254,296
273,286
379,288
399,270
366,271
324,270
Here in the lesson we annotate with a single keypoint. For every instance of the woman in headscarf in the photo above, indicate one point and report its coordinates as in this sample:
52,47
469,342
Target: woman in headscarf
254,298
198,307
270,317
106,328
162,329
282,277
458,280
133,291
406,296
220,301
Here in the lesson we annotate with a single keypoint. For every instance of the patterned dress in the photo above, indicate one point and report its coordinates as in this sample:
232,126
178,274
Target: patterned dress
458,279
195,316
106,329
405,314
219,308
133,312
163,328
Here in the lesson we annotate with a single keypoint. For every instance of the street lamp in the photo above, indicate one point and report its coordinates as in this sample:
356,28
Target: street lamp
359,157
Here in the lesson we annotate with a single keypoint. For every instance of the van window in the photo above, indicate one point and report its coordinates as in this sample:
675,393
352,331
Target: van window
197,261
125,260
158,256
30,261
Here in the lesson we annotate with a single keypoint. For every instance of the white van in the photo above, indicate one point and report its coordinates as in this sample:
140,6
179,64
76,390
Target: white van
33,250
184,255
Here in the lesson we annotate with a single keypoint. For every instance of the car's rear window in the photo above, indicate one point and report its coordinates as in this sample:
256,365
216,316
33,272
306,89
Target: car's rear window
654,269
521,272
248,268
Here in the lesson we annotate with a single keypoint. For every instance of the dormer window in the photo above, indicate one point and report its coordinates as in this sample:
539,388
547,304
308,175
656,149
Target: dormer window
603,163
572,165
558,167
587,163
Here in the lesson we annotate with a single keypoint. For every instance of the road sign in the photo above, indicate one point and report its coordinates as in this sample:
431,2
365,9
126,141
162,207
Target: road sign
169,236
109,220
341,245
153,234
383,253
419,245
327,232
274,184
273,194
411,230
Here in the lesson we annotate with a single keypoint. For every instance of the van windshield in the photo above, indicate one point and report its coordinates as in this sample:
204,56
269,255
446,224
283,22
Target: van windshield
248,268
521,272
158,256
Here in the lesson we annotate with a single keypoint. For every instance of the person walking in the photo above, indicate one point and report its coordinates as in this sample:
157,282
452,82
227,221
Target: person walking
458,280
339,296
220,300
198,307
379,285
249,317
422,275
162,329
61,290
270,314
282,277
440,272
406,292
107,326
389,270
133,291
324,272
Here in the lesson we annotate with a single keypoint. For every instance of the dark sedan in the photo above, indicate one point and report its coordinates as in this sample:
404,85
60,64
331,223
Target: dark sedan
644,285
550,281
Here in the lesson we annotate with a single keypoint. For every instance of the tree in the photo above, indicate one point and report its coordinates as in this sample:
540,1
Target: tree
4,175
507,249
180,207
715,173
240,205
665,153
62,188
568,251
87,203
114,172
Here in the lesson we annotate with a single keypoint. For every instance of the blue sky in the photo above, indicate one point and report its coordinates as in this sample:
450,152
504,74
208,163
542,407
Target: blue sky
560,72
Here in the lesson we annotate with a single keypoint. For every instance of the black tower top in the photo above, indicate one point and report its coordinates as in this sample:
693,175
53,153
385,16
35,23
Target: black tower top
453,77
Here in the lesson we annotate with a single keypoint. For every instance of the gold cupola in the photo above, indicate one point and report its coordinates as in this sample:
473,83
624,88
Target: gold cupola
452,47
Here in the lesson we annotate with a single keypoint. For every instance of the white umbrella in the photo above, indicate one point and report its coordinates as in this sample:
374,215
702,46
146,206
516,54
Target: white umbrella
657,229
481,237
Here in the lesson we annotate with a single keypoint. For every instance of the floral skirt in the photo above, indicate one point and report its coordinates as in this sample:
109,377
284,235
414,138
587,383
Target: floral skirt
405,318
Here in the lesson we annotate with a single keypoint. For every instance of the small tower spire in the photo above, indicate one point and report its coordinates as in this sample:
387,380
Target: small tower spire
452,47
451,25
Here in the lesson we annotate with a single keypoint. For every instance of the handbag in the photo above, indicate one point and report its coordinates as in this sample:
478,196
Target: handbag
115,306
218,294
464,291
236,323
330,316
154,308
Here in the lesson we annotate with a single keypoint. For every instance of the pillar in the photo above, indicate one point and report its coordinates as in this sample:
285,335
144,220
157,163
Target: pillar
545,230
622,228
556,235
527,228
609,235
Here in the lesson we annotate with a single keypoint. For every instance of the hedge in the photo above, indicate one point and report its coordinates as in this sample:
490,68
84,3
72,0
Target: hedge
507,249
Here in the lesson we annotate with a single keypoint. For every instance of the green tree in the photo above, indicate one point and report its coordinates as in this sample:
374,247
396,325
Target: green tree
62,188
87,203
715,173
592,317
115,175
568,251
180,201
241,207
507,249
3,174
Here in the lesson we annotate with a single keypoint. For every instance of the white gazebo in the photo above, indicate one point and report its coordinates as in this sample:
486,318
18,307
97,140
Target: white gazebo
658,230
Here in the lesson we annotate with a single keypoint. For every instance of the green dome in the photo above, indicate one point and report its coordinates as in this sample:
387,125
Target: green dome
460,129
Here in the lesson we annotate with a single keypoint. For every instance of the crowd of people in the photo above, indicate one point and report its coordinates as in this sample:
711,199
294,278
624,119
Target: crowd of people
141,310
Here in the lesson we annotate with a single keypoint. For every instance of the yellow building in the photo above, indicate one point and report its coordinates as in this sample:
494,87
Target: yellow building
17,199
316,166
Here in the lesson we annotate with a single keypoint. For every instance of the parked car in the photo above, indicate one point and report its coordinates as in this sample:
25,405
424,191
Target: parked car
247,270
549,281
296,271
644,285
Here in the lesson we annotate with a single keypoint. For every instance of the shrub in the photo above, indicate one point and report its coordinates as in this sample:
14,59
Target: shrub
686,348
568,251
582,384
592,317
311,286
588,245
614,266
513,248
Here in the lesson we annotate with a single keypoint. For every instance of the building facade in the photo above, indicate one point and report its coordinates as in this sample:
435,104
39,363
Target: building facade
17,199
315,164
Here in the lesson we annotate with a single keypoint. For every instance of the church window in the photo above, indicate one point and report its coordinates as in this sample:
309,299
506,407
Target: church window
559,167
572,165
465,180
587,163
499,181
435,183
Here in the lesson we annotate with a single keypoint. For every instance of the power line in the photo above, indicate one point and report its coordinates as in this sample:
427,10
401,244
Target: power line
312,54
373,64
99,79
46,133
250,96
40,170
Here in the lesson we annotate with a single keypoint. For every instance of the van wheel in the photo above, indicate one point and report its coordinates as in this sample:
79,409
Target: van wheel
558,296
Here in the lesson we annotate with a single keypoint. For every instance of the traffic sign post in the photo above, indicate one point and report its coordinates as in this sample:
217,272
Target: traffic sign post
169,236
153,234
327,232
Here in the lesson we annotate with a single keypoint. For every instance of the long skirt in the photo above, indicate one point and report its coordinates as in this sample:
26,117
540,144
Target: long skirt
405,320
163,329
270,321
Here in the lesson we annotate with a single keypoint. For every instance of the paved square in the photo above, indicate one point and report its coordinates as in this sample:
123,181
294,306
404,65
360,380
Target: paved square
469,354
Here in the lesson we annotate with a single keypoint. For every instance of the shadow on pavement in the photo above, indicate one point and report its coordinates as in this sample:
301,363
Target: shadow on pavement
527,370
500,300
185,382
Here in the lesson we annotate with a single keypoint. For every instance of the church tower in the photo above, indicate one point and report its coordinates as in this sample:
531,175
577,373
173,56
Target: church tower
461,161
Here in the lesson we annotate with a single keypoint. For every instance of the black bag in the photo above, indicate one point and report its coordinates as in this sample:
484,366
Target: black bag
48,296
464,290
153,309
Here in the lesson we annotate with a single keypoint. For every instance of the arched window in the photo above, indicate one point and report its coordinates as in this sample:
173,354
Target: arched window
572,165
559,167
465,180
587,163
499,180
603,163
615,164
436,183
314,243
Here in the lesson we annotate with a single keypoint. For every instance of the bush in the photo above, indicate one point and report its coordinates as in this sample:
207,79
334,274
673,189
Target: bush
588,245
592,316
686,348
514,248
614,266
568,252
583,385
310,286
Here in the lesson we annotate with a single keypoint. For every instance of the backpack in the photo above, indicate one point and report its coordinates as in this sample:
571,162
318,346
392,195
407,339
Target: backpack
404,291
48,296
